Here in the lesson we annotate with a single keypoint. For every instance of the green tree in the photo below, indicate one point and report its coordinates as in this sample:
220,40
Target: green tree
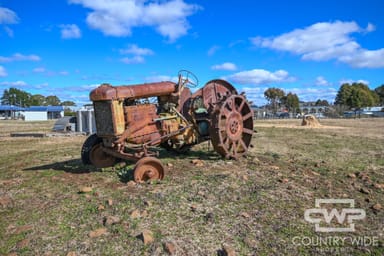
37,100
291,101
16,97
380,92
322,103
356,95
67,110
343,94
274,96
52,101
68,103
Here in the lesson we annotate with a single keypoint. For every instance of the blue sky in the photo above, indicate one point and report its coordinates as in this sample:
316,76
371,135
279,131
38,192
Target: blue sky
68,47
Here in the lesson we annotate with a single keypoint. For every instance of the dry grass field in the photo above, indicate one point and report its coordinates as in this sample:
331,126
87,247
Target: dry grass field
50,204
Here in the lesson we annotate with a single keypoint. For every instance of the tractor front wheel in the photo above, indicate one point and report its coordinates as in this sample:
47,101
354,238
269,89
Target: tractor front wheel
148,168
92,153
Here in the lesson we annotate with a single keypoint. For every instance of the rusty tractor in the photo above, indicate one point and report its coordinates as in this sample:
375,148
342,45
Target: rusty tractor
129,124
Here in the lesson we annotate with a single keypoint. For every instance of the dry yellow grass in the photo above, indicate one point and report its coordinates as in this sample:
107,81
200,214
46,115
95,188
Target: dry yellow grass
255,205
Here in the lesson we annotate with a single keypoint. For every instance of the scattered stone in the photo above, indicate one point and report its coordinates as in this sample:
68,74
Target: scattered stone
144,213
170,248
71,254
351,175
193,208
101,208
378,185
97,232
363,176
111,220
245,177
5,201
85,190
135,214
283,180
110,202
314,173
245,215
197,162
274,168
23,243
147,237
169,164
131,183
365,191
21,229
250,242
377,207
227,250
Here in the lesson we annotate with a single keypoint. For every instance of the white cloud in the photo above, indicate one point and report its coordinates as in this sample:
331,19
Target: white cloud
321,81
39,70
351,81
370,27
9,31
256,94
325,41
118,17
135,50
260,76
70,31
44,71
16,83
8,16
20,57
213,50
137,54
63,73
133,60
3,72
225,66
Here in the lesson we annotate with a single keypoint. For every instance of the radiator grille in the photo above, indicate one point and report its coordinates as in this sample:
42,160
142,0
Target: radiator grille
104,118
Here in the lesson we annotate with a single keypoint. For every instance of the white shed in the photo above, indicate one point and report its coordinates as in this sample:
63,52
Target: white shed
35,116
43,113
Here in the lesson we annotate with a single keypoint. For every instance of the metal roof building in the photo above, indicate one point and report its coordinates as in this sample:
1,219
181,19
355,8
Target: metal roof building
33,113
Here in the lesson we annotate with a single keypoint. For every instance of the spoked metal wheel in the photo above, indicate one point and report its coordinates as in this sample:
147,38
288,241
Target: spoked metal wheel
232,127
148,168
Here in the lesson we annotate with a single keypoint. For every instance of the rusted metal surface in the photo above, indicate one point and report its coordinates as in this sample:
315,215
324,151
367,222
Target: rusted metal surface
232,128
99,158
128,126
148,168
215,91
108,92
140,125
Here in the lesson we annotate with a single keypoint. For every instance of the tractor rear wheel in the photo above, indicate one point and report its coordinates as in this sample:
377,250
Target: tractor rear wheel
232,127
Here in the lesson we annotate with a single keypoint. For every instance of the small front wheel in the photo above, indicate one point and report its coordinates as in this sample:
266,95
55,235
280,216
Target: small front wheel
92,153
148,168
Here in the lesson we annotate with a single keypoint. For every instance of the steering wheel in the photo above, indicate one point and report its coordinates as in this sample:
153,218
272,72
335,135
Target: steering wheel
188,78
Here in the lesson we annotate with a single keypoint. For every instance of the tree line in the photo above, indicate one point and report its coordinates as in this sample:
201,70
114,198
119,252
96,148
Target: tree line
349,96
17,97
